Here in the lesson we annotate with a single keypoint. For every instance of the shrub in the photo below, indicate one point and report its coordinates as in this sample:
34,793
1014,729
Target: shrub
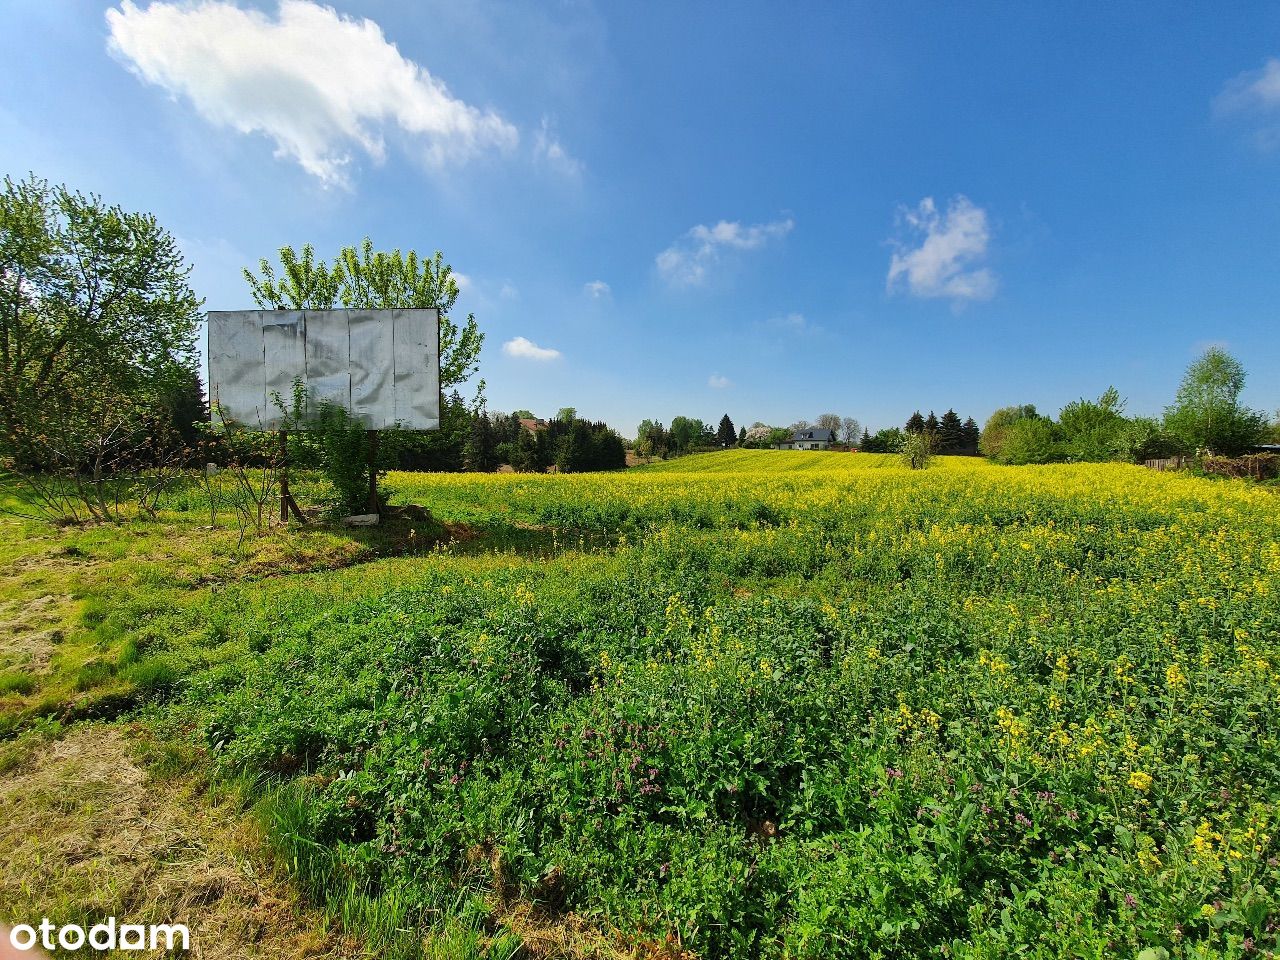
917,449
1032,440
996,431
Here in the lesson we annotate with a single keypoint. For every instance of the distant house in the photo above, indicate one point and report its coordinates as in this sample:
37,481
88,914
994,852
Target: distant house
533,425
811,439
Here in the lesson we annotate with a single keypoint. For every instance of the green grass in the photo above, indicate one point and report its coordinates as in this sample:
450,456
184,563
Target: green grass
15,681
753,704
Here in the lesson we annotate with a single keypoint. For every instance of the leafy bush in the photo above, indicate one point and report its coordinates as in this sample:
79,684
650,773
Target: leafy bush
996,431
1032,440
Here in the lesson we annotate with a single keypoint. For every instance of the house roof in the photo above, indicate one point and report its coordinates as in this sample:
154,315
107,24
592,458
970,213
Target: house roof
814,433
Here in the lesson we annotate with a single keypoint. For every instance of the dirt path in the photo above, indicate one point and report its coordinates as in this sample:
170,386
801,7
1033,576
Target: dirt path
87,833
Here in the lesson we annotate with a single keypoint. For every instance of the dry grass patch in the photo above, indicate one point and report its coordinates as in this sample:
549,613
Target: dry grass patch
89,833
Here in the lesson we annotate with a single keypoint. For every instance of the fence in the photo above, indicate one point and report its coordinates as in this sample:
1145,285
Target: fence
1257,466
1168,463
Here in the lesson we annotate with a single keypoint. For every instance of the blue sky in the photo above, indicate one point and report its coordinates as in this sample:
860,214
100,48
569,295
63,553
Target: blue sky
770,210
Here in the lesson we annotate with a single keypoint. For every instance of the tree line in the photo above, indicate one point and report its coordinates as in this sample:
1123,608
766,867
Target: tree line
1206,417
568,443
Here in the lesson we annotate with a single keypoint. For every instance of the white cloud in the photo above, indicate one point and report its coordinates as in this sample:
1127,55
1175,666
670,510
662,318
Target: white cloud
1255,95
319,84
1253,89
795,323
528,350
947,262
508,291
548,149
597,290
463,281
685,263
719,382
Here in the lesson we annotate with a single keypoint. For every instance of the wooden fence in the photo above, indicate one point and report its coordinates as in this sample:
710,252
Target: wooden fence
1169,463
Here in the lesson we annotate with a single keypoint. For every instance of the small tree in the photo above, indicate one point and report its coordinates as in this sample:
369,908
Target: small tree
1207,413
726,436
97,345
364,279
481,451
830,421
575,454
524,455
685,433
917,450
849,428
1096,430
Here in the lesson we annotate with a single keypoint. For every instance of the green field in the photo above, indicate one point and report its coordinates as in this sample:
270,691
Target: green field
746,704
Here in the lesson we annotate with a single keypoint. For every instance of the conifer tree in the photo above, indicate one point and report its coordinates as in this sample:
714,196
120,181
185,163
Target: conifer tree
950,432
915,424
481,451
726,435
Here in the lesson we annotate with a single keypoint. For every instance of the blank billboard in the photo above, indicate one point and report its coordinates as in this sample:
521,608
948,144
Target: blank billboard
382,366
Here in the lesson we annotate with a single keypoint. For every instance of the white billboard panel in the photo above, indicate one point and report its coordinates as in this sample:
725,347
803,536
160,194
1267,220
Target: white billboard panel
382,366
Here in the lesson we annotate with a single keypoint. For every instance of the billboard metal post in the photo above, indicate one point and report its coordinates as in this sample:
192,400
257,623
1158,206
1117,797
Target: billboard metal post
374,505
287,503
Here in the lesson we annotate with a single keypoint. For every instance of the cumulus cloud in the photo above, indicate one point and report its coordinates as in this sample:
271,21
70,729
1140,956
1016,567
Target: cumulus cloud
940,254
719,382
597,289
548,150
1255,95
686,262
526,349
320,85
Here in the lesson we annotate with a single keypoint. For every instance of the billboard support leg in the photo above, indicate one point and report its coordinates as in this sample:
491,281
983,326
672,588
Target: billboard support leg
287,503
284,476
374,505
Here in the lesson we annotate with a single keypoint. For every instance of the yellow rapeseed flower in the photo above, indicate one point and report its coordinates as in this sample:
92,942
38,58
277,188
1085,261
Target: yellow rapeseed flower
1140,781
